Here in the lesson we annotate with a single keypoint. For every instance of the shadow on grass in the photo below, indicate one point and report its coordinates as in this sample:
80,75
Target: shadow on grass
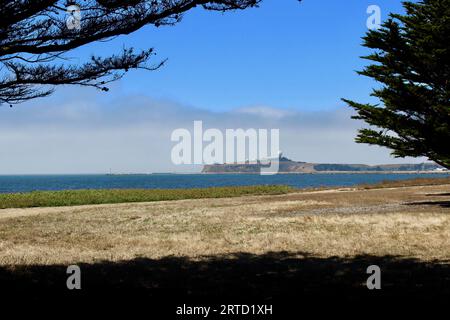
444,204
440,202
264,278
438,195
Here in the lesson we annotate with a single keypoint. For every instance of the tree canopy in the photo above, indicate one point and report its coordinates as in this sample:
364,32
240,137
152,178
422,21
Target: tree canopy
35,36
411,61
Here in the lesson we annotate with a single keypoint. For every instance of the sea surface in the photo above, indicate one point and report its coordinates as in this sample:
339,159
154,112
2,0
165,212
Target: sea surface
24,183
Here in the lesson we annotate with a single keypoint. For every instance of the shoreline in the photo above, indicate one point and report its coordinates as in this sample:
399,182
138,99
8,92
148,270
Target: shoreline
219,173
338,172
74,197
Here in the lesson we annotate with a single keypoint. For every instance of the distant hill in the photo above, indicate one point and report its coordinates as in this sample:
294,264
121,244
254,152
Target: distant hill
289,166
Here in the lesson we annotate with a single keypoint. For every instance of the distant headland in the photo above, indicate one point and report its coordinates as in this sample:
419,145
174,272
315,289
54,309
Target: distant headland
287,165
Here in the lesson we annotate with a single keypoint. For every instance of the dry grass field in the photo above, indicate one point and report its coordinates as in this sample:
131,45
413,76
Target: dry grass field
260,244
410,222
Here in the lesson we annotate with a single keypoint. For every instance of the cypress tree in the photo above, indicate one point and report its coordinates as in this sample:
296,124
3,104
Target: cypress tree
410,58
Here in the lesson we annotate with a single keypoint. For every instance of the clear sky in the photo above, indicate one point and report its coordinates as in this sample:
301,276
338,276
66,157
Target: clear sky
285,54
285,65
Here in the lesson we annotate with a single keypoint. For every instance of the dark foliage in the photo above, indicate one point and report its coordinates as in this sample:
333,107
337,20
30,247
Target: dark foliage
411,55
34,38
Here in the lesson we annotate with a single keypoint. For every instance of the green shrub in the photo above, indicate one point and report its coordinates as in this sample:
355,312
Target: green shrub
83,197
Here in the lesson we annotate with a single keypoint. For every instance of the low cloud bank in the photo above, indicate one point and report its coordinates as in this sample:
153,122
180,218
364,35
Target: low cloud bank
81,134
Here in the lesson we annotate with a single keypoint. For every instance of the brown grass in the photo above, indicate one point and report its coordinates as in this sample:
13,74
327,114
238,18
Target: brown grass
410,222
407,183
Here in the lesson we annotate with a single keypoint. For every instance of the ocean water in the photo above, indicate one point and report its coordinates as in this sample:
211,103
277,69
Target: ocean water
24,183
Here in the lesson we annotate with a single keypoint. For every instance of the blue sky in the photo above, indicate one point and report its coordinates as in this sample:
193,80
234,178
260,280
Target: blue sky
284,65
285,54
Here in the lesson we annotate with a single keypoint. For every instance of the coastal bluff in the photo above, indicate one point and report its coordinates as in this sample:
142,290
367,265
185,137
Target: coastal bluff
287,165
